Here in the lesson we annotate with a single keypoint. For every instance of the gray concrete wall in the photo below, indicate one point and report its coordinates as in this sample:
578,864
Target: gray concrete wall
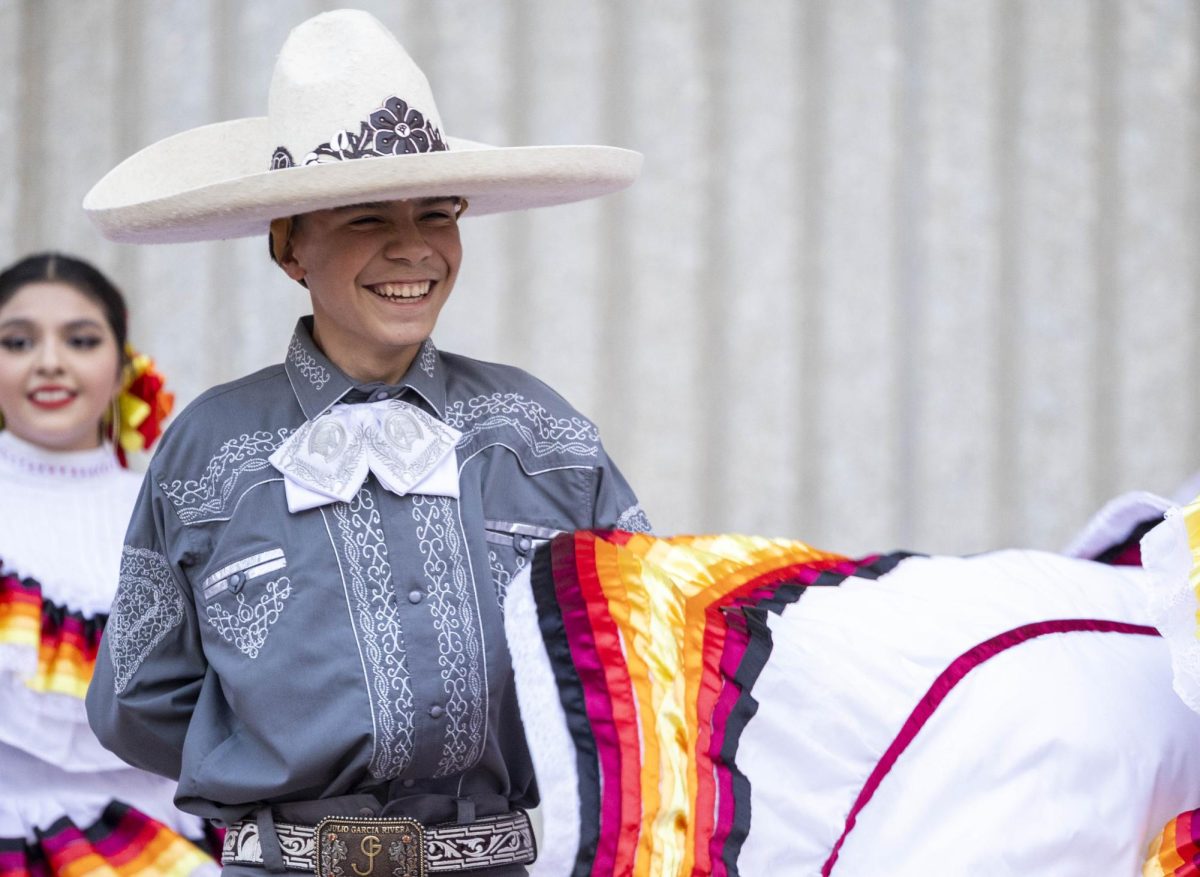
897,274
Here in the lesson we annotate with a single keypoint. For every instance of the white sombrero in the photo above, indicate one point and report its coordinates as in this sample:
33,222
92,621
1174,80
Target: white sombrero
343,91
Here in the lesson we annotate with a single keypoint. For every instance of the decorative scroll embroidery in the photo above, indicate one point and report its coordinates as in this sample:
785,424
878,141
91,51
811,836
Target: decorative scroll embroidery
367,574
393,129
538,428
242,844
634,520
148,607
248,626
502,577
456,620
480,845
210,496
428,360
306,364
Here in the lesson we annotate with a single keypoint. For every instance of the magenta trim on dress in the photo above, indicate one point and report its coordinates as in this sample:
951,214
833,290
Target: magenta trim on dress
598,703
61,470
736,641
944,684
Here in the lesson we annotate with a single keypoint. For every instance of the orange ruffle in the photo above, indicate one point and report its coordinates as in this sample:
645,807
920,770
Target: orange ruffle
61,643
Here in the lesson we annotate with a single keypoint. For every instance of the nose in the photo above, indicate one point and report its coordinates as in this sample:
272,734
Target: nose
49,357
407,243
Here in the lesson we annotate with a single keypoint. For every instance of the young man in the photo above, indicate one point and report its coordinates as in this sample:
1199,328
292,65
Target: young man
310,617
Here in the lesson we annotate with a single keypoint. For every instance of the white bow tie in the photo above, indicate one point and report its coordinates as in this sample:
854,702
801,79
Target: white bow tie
327,459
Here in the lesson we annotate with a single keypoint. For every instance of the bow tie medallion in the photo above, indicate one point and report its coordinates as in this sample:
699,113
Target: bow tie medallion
327,459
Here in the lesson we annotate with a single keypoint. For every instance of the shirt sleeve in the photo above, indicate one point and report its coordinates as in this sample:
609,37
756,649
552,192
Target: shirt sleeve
150,665
616,507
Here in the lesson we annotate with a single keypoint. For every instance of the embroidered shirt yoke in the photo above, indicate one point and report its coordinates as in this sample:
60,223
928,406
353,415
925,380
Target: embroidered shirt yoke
261,655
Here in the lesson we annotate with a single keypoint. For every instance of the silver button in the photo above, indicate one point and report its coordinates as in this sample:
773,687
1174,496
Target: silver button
236,581
415,596
366,811
436,712
379,395
523,544
408,784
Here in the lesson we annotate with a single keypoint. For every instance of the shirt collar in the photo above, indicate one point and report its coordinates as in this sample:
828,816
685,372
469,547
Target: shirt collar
427,378
318,383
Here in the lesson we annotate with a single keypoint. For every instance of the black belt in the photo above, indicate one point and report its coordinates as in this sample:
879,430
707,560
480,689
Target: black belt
400,847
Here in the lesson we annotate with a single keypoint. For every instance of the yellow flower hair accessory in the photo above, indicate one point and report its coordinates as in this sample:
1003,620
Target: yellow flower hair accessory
141,406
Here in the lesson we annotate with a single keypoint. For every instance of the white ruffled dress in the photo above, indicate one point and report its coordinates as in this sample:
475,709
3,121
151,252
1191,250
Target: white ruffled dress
66,803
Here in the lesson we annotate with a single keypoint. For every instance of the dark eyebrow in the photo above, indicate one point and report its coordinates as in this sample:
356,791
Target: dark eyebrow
380,205
25,323
85,323
366,205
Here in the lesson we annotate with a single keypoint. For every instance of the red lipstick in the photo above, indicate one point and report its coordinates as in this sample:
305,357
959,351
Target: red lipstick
51,397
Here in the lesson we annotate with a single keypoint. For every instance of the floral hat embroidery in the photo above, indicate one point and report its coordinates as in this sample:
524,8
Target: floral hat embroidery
393,129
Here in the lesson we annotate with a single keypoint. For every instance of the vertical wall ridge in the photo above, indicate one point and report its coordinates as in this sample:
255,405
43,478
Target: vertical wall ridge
1191,309
812,135
517,315
1009,75
1105,368
30,116
615,277
909,213
721,284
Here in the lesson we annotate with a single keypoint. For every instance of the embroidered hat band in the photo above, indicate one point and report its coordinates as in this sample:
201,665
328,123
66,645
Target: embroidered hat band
393,129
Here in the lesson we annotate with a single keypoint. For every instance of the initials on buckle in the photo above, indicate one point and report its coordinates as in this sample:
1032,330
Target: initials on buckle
359,847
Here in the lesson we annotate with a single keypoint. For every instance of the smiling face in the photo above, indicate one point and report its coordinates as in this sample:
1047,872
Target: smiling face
378,275
59,366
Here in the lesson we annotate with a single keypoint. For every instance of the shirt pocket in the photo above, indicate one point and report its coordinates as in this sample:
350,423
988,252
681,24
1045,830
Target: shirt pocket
510,549
245,598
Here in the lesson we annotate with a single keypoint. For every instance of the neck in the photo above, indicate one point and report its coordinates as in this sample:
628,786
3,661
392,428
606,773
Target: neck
364,368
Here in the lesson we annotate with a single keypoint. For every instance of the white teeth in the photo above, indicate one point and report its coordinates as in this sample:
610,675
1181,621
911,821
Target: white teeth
51,395
402,290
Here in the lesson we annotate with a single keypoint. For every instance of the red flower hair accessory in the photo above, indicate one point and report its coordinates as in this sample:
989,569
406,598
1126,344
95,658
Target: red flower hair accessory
142,405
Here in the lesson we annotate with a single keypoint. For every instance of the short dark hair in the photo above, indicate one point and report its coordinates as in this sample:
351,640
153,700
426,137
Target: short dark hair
51,267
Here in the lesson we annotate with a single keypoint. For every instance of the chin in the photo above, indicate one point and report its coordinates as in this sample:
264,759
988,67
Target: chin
58,436
401,343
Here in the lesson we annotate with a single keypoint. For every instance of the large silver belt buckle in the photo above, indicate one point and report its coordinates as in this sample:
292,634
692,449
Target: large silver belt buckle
349,846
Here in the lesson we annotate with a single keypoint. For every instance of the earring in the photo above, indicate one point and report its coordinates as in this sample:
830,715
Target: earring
110,423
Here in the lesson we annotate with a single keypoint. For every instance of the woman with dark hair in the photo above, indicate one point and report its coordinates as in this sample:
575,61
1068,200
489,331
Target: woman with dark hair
69,401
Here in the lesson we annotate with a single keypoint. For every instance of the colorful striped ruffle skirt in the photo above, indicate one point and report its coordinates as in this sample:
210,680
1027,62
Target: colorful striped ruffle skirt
47,654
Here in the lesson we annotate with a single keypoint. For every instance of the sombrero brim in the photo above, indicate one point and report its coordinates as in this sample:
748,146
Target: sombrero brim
198,185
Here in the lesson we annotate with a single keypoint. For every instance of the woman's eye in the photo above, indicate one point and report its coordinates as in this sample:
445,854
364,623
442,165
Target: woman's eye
362,221
16,343
85,342
438,217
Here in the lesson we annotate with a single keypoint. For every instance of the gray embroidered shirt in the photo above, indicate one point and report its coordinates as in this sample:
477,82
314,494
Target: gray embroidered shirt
259,655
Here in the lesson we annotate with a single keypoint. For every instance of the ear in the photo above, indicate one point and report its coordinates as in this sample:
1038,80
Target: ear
290,264
283,252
